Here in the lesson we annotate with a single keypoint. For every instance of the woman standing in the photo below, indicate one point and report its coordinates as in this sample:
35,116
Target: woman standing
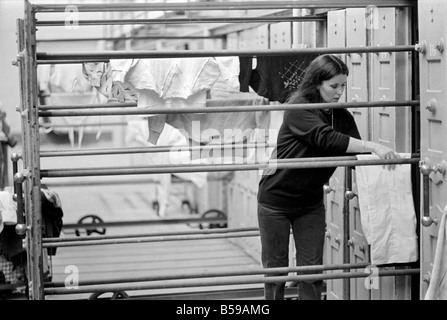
293,198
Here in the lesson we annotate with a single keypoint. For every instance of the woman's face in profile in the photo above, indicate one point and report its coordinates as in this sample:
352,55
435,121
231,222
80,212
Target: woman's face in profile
332,89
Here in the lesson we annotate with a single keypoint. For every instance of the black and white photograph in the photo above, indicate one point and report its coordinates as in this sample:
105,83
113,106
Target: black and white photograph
215,157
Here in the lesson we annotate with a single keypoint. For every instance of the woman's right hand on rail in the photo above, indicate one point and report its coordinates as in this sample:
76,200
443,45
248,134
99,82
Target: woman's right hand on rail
386,153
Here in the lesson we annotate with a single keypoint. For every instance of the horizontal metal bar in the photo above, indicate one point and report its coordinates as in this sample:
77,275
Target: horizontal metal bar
225,281
233,5
211,274
154,149
151,239
84,56
86,106
154,37
83,125
142,222
148,235
67,61
58,23
209,103
131,180
226,109
71,182
272,165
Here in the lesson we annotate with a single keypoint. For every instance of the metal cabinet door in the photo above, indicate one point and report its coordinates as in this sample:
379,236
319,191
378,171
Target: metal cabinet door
334,245
336,35
334,248
390,73
247,39
357,89
281,35
433,69
232,41
359,248
262,37
390,126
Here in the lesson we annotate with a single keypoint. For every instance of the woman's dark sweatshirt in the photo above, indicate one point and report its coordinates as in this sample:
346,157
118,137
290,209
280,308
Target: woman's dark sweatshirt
306,133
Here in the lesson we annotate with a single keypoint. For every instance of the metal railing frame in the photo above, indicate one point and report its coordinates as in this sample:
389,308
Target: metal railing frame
28,59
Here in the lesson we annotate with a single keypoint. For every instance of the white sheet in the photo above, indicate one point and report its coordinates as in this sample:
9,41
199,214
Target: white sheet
387,212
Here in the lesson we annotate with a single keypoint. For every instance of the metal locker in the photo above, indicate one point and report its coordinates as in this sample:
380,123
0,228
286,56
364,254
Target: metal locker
262,37
336,34
213,43
334,231
247,39
432,34
232,41
390,81
357,89
281,35
334,249
359,249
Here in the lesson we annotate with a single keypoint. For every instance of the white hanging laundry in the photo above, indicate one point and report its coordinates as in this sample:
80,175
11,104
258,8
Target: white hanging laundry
8,208
67,85
228,82
137,134
437,289
387,211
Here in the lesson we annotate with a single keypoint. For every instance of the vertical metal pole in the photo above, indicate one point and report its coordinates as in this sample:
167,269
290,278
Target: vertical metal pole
15,169
18,192
31,159
4,166
18,180
20,62
346,253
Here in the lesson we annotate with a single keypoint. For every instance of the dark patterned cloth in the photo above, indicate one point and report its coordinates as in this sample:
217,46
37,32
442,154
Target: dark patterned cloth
274,77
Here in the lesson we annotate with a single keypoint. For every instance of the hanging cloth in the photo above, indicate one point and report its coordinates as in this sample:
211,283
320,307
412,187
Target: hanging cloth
437,290
387,212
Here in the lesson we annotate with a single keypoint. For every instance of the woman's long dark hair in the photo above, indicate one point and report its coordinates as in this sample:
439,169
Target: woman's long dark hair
322,68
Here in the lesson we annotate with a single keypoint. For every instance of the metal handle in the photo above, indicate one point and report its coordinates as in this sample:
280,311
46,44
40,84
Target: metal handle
421,47
21,228
350,194
426,169
439,45
426,277
15,157
328,189
432,106
351,242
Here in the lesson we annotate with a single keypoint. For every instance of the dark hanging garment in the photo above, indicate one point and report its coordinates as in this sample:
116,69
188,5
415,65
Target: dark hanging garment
275,77
245,73
51,216
12,243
